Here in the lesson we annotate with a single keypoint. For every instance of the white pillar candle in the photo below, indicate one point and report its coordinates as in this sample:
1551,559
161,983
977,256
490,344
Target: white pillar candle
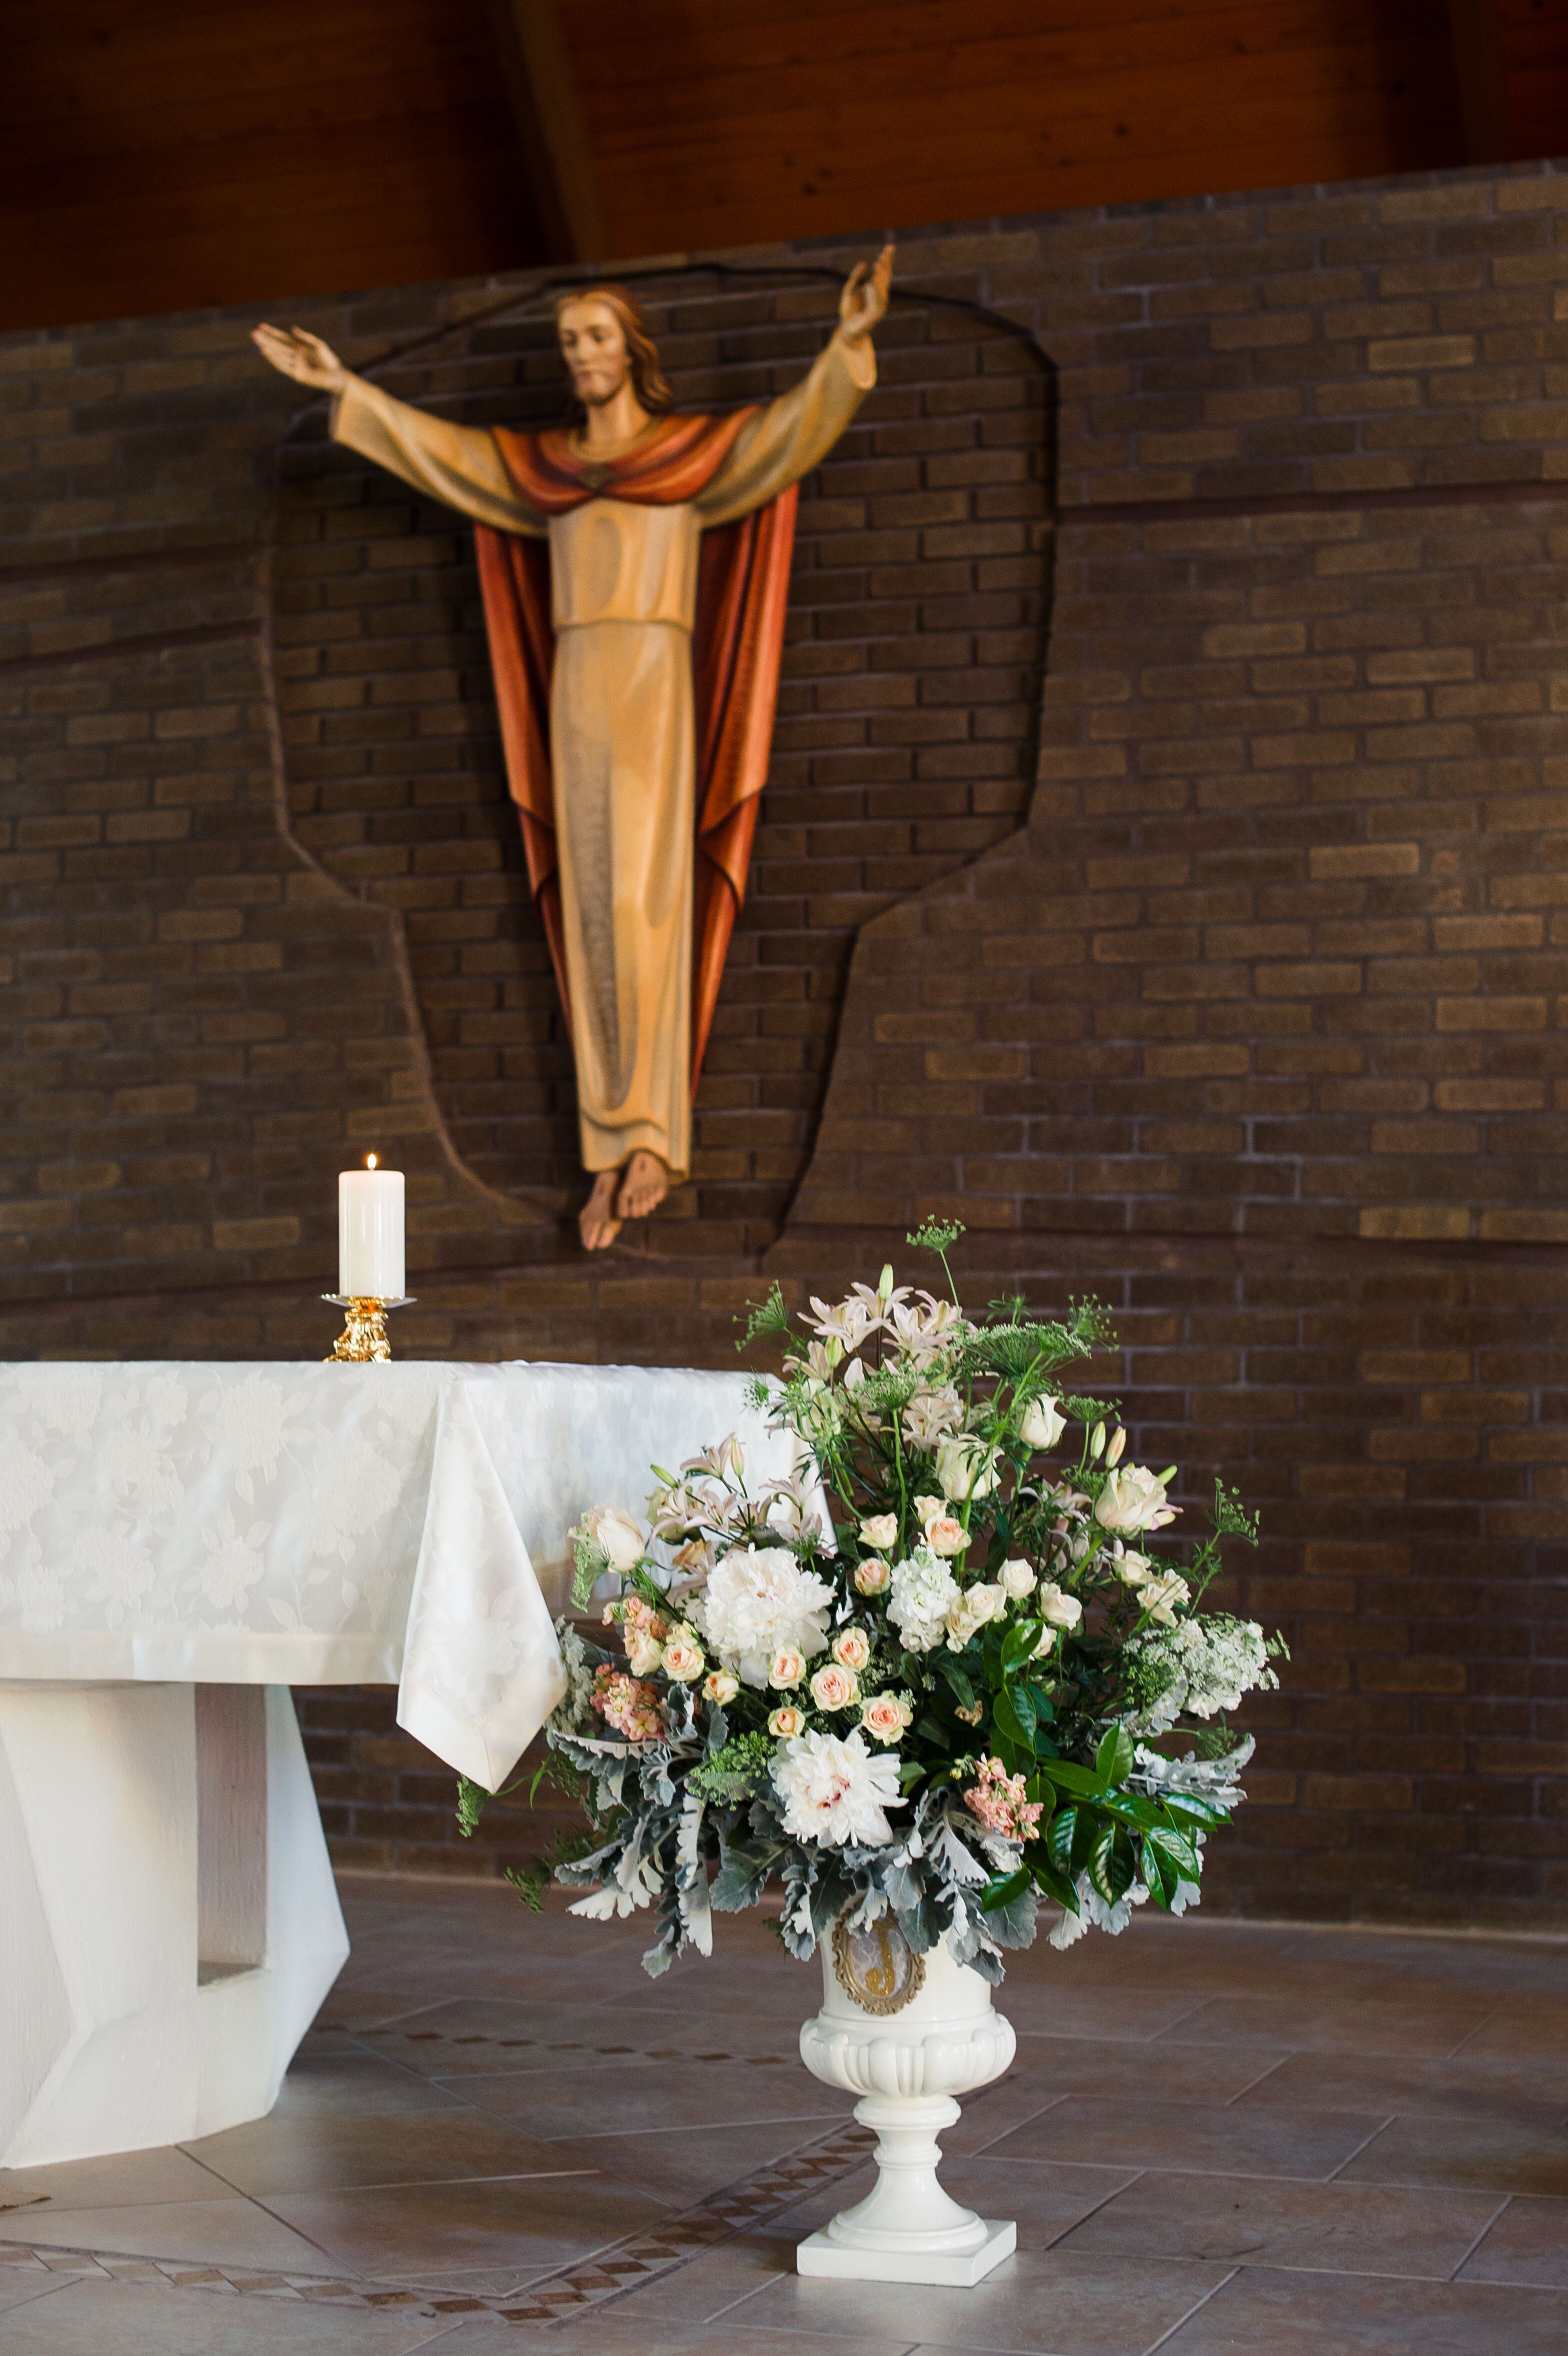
370,1233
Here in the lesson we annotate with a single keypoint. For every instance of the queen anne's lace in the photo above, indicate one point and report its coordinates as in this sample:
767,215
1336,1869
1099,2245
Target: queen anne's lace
1199,1668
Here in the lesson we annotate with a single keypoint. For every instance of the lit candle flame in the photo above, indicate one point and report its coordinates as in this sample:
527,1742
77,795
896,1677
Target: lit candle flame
369,1161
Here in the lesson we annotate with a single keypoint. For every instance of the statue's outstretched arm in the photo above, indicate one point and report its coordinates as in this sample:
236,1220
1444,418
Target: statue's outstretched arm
459,465
796,432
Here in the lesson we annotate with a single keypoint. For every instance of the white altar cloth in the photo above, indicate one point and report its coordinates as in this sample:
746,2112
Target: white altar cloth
331,1524
178,1544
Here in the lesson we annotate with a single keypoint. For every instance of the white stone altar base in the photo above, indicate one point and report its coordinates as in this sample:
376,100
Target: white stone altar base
180,1543
169,1912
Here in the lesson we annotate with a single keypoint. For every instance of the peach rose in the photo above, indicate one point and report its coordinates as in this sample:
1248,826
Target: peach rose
834,1688
720,1686
880,1532
851,1648
944,1535
684,1658
871,1577
886,1716
787,1667
786,1723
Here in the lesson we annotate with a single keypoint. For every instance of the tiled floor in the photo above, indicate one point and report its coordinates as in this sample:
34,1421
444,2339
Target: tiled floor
500,2137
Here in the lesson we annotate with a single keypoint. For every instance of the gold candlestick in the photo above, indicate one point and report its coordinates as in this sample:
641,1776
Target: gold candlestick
363,1340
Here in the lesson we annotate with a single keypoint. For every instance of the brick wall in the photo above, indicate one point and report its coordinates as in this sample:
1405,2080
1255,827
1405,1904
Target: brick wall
1239,528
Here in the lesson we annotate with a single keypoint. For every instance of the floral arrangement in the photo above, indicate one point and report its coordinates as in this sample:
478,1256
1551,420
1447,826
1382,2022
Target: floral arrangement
927,1676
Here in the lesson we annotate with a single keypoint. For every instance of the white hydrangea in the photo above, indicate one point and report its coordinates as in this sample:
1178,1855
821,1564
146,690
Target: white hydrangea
924,1590
1199,1667
758,1603
835,1790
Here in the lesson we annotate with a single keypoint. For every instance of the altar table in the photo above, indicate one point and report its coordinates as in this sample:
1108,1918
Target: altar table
180,1543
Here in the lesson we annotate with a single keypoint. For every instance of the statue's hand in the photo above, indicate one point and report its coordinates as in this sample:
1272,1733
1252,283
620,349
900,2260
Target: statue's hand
865,296
297,353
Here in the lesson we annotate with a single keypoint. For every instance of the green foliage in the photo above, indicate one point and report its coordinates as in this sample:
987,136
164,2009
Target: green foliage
471,1802
533,1877
736,1773
1230,1517
936,1235
770,1317
593,1562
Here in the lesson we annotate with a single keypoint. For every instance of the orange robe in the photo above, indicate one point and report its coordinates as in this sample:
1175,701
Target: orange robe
635,609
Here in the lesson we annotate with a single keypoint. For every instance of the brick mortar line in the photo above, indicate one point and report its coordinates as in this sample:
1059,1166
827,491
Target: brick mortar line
91,567
1512,492
154,642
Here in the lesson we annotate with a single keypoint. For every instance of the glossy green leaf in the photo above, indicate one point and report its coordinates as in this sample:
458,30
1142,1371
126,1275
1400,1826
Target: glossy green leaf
1114,1759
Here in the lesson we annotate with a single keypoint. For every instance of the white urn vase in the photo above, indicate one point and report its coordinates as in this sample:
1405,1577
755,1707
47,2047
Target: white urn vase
907,2033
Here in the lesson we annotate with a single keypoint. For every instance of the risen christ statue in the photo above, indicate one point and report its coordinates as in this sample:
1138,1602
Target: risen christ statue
634,571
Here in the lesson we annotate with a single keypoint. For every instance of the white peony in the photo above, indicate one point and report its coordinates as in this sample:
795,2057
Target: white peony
758,1603
924,1590
835,1791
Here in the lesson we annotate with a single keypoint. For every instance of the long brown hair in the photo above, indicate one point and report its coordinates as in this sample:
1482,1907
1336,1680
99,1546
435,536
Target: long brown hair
642,353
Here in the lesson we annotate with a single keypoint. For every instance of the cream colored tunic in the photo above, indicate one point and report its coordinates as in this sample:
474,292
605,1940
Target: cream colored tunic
623,736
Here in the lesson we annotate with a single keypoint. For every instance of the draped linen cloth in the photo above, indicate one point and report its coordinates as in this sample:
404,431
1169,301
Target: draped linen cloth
306,1525
635,612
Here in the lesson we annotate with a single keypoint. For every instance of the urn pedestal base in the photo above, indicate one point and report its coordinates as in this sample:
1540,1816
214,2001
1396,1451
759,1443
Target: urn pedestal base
907,2057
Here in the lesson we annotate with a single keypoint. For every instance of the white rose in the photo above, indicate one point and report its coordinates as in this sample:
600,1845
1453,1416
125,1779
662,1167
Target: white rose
973,1607
965,1467
1058,1608
1047,1639
1043,1424
1133,1500
1130,1567
617,1533
928,1509
1017,1578
880,1532
1159,1594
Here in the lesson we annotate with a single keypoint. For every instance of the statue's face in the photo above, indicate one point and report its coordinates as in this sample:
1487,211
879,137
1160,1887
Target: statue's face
593,346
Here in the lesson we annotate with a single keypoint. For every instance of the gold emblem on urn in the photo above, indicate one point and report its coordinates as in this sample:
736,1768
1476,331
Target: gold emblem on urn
876,1967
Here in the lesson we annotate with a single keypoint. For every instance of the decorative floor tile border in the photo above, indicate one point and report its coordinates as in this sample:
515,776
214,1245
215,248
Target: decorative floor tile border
553,2298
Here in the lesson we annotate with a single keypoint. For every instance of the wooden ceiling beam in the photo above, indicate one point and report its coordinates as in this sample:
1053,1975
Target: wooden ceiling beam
553,135
1482,76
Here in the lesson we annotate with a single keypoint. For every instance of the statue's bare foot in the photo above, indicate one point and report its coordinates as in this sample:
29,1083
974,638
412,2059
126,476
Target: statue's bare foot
596,1222
643,1187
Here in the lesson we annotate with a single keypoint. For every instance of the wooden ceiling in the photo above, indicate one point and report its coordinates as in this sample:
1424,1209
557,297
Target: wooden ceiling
157,156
